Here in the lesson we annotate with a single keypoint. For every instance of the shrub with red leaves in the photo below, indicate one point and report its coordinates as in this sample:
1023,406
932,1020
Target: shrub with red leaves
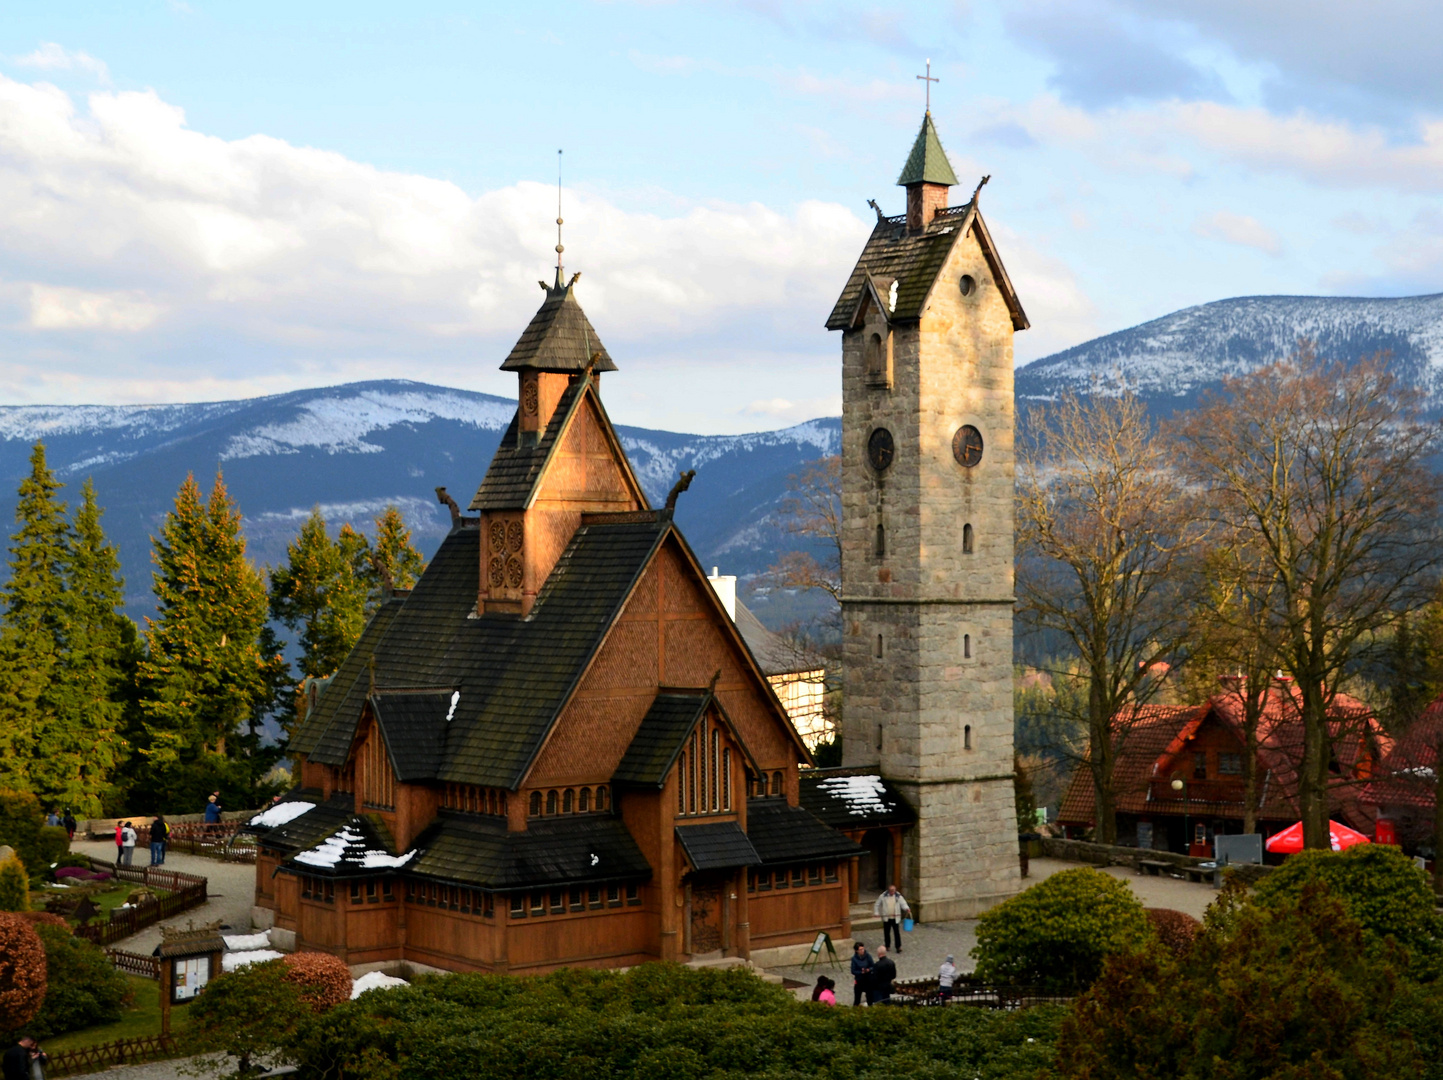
324,980
44,918
22,971
1177,930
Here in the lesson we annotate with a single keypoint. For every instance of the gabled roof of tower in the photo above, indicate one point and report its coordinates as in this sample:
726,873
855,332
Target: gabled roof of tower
914,260
927,163
560,337
517,467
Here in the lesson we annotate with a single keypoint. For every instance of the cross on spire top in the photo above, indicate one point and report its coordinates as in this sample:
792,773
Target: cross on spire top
927,81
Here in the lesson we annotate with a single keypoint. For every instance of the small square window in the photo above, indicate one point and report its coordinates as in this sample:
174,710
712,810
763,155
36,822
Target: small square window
593,896
814,875
538,903
799,876
576,902
633,894
386,889
518,905
764,881
558,901
1200,766
831,871
613,895
783,879
1230,764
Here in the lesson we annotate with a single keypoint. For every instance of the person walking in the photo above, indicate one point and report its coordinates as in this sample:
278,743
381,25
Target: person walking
25,1060
212,813
128,837
884,973
119,840
861,974
159,834
892,907
946,976
70,823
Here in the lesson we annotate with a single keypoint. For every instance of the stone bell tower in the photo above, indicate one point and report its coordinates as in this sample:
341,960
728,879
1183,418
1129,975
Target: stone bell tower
927,319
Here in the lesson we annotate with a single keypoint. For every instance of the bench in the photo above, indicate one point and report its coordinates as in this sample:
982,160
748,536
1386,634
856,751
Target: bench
1154,867
1203,875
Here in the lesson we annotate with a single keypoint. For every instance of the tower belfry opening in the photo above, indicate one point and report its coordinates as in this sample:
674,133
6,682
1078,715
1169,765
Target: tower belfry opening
942,688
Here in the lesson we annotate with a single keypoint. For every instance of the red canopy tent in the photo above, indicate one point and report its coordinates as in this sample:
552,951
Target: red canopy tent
1290,840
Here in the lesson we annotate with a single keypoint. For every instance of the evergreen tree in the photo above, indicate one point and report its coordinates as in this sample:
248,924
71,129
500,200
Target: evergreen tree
321,593
31,632
93,686
393,558
212,667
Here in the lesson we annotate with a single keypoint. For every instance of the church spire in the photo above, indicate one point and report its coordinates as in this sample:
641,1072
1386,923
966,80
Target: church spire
926,176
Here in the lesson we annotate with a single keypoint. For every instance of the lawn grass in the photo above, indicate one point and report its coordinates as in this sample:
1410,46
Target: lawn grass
105,900
142,1018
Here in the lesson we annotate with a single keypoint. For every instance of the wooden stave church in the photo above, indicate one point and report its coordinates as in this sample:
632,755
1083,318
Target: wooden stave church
504,774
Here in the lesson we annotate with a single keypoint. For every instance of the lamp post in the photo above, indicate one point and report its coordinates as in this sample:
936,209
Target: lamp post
1179,784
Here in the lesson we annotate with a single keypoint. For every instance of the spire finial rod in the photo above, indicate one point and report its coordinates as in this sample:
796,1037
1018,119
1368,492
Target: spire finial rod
559,248
927,81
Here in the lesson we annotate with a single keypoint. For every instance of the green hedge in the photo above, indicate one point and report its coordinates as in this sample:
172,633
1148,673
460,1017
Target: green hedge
656,1021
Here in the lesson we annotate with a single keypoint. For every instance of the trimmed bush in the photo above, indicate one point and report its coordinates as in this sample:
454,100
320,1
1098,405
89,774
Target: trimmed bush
1291,990
1175,930
44,918
53,843
246,1013
324,980
22,971
83,987
1381,889
1057,934
14,886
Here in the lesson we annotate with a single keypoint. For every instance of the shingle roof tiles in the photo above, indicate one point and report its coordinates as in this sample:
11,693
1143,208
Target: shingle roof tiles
515,469
791,834
559,338
913,260
575,849
514,674
717,845
659,739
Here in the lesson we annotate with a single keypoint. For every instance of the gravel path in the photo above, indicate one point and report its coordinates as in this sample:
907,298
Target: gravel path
930,943
230,892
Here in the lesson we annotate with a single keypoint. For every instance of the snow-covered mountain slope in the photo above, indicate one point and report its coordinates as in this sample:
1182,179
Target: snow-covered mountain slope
352,449
1170,360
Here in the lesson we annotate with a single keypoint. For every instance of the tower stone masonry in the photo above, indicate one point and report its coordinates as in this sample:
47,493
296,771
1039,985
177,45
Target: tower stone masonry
927,319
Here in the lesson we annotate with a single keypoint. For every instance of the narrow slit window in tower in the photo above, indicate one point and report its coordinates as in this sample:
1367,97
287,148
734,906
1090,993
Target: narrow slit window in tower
966,736
879,736
967,646
881,540
967,539
879,646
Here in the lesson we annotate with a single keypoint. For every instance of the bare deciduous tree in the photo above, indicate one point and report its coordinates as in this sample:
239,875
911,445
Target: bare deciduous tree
813,508
1105,535
1318,470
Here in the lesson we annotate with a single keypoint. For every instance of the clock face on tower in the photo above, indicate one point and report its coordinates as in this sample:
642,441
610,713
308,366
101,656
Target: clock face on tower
880,449
967,446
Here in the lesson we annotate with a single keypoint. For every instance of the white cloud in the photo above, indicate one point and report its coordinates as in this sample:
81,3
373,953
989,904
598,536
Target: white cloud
53,57
1238,229
58,308
241,262
1059,309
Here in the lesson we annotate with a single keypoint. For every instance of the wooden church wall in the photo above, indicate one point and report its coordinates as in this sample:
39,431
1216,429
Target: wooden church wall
793,915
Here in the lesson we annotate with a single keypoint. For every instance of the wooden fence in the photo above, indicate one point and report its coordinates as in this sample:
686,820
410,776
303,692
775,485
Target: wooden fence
974,993
186,891
122,1052
220,840
147,967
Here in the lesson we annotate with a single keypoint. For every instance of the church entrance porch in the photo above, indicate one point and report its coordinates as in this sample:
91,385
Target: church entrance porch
708,922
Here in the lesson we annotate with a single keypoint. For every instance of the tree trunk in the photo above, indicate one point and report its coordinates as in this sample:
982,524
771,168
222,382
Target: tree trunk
1313,772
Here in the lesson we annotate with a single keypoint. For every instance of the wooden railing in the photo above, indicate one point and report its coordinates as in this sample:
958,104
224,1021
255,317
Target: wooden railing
121,1052
219,840
186,891
147,967
974,993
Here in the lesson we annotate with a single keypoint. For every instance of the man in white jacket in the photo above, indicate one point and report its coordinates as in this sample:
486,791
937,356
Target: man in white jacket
892,907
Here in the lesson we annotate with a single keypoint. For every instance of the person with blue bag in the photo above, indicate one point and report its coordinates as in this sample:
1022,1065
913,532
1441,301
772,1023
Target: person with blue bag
892,908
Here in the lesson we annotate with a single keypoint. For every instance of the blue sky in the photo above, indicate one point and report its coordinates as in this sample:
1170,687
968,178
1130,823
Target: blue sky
203,200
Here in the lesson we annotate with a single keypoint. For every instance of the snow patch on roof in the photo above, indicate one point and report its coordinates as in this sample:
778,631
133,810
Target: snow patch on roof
863,795
281,814
345,844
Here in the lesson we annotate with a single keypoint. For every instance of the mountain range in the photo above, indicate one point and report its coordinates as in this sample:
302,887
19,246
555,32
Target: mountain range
352,449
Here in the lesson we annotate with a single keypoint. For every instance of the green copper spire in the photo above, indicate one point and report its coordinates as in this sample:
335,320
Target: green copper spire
927,163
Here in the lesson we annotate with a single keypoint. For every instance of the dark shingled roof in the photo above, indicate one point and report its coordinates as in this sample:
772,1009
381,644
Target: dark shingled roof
559,338
553,852
514,674
853,799
927,163
413,723
914,260
516,468
717,845
360,846
790,834
311,827
328,729
656,744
